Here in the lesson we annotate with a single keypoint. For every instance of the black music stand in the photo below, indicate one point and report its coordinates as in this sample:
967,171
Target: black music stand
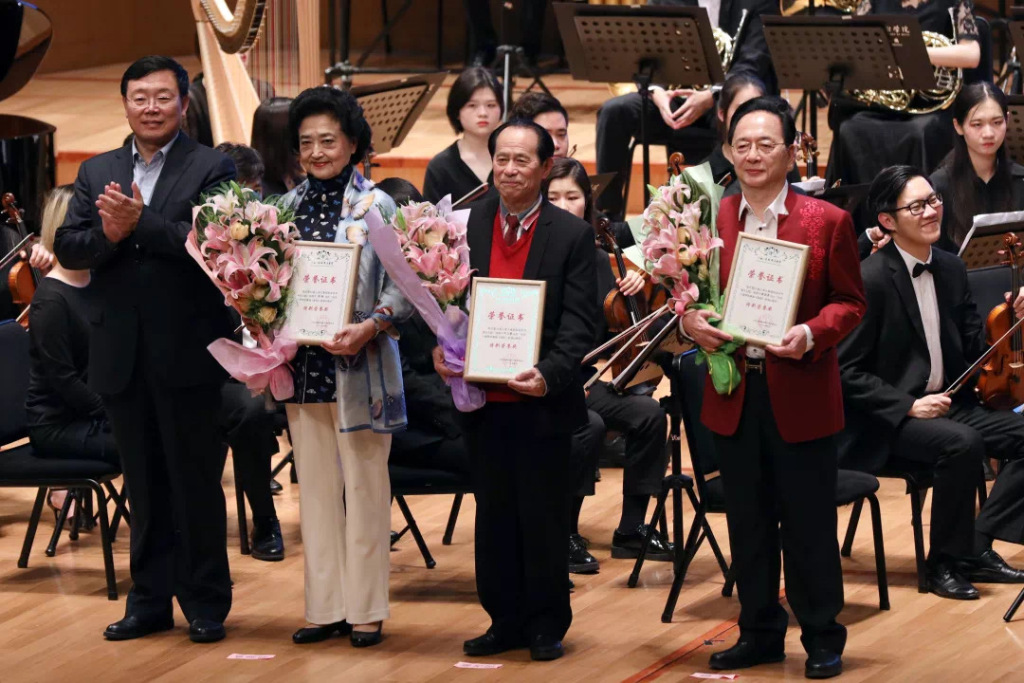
984,244
391,108
615,43
1015,127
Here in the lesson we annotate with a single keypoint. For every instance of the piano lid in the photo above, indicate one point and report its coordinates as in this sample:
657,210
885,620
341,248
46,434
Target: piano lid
25,35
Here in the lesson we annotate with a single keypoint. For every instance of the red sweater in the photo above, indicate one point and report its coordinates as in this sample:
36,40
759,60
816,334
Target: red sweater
507,262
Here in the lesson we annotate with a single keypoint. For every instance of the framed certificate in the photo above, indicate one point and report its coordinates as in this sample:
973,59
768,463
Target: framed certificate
765,284
323,290
506,318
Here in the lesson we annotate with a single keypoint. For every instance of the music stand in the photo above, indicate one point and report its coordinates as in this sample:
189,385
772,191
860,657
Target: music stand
984,241
391,108
599,183
846,197
1015,127
615,43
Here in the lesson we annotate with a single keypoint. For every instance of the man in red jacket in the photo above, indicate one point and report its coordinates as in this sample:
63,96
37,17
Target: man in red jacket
774,433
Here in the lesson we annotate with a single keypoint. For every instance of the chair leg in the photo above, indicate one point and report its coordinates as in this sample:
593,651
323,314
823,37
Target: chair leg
659,510
851,529
106,540
683,559
915,517
730,582
453,517
120,508
713,542
243,522
76,516
62,518
880,571
33,523
414,529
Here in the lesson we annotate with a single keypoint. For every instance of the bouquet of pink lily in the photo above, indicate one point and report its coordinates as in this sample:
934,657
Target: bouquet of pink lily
681,249
246,246
424,250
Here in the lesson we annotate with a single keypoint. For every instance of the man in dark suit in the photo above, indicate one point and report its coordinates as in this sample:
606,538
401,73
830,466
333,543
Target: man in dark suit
774,432
921,332
681,117
520,439
156,311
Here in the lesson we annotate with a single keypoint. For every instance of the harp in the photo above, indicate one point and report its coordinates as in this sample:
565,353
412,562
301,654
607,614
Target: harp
253,50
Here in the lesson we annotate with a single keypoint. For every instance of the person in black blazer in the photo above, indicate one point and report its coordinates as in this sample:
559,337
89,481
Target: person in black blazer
155,313
921,331
520,439
681,116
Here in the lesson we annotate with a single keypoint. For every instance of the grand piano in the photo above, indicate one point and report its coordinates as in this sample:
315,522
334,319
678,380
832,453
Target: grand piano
27,163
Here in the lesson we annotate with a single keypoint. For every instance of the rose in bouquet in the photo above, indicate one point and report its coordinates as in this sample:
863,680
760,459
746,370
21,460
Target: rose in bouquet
245,245
424,250
680,247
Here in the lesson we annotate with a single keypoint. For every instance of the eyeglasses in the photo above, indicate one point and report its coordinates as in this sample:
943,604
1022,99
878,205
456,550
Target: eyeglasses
763,146
916,208
160,101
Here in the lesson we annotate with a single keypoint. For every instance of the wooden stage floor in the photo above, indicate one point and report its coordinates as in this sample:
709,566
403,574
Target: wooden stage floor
85,106
52,614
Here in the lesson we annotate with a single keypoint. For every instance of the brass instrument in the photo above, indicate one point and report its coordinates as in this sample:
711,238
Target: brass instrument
948,82
793,7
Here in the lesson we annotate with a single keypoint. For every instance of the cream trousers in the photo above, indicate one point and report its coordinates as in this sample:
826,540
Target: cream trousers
346,540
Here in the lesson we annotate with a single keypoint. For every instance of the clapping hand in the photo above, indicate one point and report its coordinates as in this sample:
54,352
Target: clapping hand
119,212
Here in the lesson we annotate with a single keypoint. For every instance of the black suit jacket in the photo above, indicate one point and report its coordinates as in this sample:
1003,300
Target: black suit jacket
752,57
884,362
561,254
152,303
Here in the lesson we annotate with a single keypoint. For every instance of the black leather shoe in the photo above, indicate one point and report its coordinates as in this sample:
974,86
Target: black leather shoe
946,583
367,638
989,567
315,634
130,628
275,487
267,542
489,644
206,631
545,648
823,664
745,654
627,546
581,561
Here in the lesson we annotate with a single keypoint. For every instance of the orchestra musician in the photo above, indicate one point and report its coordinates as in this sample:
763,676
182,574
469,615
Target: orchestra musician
774,433
920,332
153,315
520,439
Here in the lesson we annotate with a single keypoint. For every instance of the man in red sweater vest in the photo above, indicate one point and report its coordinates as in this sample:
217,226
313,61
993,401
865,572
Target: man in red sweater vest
520,440
774,433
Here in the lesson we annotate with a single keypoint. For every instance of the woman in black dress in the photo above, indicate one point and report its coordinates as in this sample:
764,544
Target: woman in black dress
988,181
474,109
867,139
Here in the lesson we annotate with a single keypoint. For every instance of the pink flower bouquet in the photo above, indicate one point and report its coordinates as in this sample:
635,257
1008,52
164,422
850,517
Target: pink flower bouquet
681,249
423,248
246,246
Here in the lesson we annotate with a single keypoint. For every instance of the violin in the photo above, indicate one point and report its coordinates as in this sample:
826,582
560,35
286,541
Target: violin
21,278
1000,384
620,311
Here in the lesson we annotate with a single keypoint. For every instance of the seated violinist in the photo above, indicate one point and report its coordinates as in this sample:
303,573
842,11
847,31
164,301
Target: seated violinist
921,331
636,415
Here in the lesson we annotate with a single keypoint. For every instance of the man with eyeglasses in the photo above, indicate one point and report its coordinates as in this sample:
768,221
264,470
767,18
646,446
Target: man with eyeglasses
920,333
773,434
154,314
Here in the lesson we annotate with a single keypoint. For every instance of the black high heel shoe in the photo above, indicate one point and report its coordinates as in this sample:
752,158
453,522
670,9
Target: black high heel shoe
367,638
316,634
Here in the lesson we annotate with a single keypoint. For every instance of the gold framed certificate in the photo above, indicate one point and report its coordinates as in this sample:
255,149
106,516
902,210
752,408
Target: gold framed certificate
506,318
323,290
765,285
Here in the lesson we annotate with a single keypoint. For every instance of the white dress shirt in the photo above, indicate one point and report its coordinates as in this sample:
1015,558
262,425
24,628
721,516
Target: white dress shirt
769,227
928,304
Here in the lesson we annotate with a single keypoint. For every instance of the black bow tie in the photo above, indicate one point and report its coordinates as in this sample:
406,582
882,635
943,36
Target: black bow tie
921,267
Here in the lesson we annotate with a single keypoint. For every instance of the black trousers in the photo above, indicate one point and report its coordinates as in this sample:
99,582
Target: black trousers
521,522
248,428
641,419
585,451
618,122
172,457
85,439
781,496
955,445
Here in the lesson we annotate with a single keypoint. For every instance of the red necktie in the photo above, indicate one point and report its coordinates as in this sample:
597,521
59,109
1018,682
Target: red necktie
511,229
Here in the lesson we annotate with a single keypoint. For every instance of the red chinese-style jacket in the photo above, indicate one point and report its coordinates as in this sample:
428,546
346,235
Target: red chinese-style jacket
805,394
